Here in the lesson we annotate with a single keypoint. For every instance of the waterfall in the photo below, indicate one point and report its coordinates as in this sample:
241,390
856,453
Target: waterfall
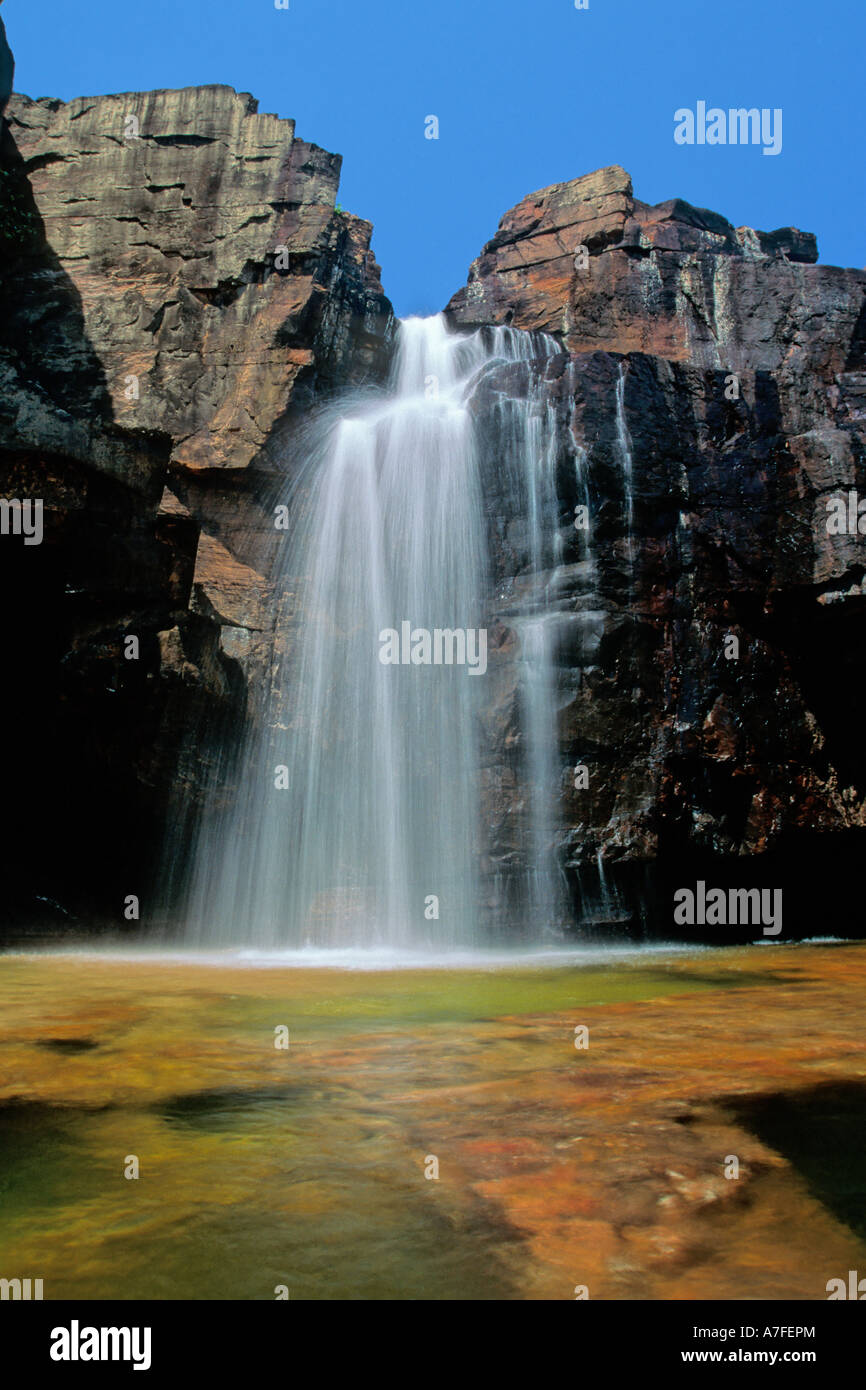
526,433
358,819
625,452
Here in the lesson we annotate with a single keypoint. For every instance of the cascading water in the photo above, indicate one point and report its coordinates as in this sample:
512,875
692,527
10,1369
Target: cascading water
625,451
525,428
358,817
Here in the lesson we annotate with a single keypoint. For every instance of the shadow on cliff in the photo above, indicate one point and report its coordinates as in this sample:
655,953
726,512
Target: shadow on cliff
82,823
740,771
41,313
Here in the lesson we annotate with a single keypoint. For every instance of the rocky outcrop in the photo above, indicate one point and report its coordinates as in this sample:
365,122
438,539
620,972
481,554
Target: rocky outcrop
213,270
709,403
176,283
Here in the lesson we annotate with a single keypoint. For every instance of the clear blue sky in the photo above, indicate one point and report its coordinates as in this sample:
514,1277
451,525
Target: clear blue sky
527,92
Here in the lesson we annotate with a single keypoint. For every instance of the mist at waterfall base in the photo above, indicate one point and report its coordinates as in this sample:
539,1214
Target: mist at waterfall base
357,825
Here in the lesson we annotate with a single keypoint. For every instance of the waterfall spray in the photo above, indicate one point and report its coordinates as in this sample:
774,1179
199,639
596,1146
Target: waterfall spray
625,451
357,821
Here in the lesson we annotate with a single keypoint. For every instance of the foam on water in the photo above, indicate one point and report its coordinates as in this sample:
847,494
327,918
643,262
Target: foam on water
373,958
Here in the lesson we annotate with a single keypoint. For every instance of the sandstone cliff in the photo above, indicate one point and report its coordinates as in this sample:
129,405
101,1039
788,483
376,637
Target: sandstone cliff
175,282
730,368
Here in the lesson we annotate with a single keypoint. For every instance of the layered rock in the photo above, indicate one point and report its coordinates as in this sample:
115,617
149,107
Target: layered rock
709,403
176,282
213,271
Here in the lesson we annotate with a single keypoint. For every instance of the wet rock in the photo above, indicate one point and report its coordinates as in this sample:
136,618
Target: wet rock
731,366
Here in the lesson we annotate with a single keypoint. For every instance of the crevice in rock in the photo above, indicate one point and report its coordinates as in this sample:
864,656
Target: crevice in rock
180,141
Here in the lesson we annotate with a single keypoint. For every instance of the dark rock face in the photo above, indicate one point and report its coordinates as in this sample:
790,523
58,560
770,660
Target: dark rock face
743,377
175,283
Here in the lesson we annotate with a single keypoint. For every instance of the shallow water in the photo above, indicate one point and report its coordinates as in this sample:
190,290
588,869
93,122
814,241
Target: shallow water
306,1167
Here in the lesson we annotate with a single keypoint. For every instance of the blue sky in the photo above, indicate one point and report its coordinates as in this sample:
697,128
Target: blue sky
527,94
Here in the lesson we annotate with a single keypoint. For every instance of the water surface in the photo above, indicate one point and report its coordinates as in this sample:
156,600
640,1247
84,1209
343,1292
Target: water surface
306,1167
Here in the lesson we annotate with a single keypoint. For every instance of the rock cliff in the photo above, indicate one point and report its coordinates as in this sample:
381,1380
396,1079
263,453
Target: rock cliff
175,283
711,384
